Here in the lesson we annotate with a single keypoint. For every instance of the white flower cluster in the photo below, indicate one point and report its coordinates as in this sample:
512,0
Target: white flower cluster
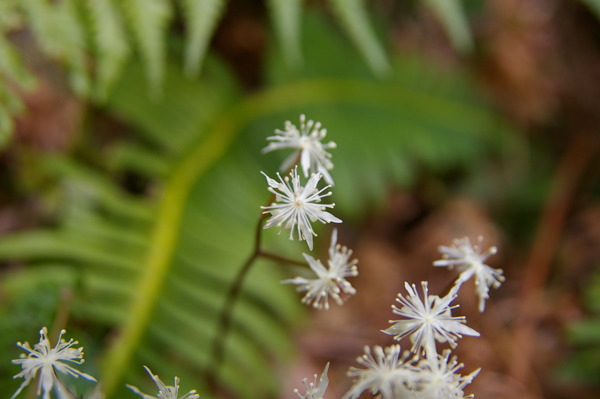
164,391
316,389
46,363
469,259
296,207
330,281
423,372
312,155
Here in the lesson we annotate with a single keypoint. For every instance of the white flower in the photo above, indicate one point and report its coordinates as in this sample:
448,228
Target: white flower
427,320
297,206
48,361
439,378
331,281
164,391
307,140
314,390
387,373
469,259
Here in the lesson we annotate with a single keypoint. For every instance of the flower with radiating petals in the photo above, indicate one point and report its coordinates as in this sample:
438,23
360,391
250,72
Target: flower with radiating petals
313,155
316,389
164,391
469,259
439,378
296,207
330,281
388,372
427,320
46,361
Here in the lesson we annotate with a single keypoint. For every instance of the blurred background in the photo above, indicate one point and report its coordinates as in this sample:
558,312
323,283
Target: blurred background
131,137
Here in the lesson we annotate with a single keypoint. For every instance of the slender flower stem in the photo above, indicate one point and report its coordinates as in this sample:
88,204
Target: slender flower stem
226,315
224,323
281,259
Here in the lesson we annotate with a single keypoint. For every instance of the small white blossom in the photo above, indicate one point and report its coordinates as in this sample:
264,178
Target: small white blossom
48,362
388,372
313,155
469,259
331,281
296,206
316,389
164,391
439,378
427,320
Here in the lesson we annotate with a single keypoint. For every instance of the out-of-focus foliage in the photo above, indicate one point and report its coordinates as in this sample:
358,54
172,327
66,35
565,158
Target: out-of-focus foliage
95,38
148,273
584,364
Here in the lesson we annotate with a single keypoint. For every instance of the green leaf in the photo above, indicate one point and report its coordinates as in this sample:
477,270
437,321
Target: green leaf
110,42
172,121
353,17
285,18
452,17
58,29
149,20
11,65
201,18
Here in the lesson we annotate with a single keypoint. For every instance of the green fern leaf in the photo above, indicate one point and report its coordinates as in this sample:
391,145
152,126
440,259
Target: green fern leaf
57,28
12,67
285,18
354,19
149,20
201,18
111,44
452,17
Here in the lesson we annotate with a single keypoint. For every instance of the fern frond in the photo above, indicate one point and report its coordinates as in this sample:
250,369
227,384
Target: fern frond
451,15
13,76
73,43
40,18
285,18
353,17
57,28
201,18
149,20
111,43
12,67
